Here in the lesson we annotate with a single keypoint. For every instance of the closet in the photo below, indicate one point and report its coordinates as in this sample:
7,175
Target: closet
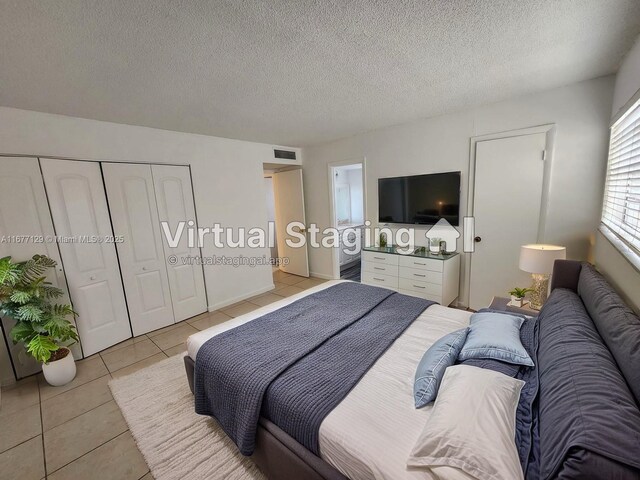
134,213
81,217
24,212
111,251
175,205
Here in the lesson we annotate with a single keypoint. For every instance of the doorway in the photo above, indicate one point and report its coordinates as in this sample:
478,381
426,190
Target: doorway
284,195
508,189
347,200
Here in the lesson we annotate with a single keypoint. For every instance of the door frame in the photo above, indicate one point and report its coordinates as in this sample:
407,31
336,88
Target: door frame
550,130
335,264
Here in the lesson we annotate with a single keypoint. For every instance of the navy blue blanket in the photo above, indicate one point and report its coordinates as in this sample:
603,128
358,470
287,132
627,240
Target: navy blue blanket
234,369
300,399
527,431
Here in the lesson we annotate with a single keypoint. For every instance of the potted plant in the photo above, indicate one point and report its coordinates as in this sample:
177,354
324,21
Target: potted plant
517,296
41,325
383,240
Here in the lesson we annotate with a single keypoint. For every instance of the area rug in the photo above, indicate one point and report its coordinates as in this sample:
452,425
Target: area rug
176,442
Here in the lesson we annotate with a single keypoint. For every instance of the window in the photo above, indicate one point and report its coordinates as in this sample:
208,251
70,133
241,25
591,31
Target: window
621,205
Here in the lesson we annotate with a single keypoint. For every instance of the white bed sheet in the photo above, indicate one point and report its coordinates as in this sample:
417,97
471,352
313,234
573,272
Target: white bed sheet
371,433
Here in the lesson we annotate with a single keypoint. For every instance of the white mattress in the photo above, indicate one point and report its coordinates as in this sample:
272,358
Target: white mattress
370,434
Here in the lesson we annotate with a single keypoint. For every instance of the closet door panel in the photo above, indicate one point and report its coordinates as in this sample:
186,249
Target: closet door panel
79,209
134,214
175,204
24,212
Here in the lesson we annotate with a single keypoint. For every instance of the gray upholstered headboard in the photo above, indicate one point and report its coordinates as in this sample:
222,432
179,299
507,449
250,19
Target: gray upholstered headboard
566,274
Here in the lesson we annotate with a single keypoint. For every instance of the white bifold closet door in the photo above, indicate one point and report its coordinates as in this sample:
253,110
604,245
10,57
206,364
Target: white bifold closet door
79,209
174,197
132,203
24,213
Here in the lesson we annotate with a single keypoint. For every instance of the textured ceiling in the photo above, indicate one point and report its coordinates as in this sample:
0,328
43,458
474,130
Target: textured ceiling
298,72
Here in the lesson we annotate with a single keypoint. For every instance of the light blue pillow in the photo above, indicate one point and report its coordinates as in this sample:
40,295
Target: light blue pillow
497,336
442,354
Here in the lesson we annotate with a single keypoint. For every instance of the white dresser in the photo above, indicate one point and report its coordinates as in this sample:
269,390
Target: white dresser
434,277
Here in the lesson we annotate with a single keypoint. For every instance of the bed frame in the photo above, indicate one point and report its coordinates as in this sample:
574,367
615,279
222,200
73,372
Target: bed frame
280,457
277,454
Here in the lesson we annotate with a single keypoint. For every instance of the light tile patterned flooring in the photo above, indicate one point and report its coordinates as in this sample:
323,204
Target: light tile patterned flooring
76,431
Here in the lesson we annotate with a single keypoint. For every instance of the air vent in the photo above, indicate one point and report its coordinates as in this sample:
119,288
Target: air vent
284,154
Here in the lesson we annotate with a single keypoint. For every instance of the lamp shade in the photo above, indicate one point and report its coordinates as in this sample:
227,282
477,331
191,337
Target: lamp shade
539,258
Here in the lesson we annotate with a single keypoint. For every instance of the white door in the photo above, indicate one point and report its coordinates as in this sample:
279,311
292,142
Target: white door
132,203
24,212
79,209
289,203
175,205
506,206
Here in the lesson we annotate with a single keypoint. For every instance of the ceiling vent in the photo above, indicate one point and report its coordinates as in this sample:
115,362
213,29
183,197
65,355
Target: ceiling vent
284,154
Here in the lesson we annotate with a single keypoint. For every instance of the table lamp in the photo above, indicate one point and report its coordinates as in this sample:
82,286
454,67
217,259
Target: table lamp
538,260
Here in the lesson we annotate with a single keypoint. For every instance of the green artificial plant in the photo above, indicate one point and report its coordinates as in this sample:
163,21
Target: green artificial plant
519,292
26,296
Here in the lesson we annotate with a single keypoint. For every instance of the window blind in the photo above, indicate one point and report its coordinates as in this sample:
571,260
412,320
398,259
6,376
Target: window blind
621,204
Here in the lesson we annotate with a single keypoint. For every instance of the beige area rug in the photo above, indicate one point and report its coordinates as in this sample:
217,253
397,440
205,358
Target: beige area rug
176,442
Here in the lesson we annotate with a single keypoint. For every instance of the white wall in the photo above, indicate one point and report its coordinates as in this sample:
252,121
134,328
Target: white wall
627,78
580,112
618,270
227,178
355,191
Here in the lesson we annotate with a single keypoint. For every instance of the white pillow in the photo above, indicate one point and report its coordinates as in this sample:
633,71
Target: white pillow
472,426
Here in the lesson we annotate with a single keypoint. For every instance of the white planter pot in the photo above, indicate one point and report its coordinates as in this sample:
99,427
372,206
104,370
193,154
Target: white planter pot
61,371
515,301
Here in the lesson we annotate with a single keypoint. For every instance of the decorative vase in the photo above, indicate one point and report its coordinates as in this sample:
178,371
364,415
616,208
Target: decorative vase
60,372
516,301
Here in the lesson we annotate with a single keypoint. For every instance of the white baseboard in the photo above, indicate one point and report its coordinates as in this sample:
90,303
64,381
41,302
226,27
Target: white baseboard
321,275
239,298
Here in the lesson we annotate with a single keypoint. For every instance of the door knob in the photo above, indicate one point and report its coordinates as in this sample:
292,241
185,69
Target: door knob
477,239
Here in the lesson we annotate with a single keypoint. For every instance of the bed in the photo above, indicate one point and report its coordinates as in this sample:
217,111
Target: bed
372,431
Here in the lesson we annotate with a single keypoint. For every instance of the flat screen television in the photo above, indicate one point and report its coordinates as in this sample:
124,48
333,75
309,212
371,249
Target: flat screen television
420,199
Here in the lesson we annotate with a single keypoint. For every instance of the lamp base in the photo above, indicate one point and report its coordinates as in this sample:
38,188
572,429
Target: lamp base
539,290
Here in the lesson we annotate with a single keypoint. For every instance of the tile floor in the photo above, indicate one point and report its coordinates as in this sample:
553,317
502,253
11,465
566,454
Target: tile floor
76,431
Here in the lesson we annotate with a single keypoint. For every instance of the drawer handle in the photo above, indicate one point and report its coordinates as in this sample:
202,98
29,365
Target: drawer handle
418,275
378,279
379,268
379,258
418,286
417,263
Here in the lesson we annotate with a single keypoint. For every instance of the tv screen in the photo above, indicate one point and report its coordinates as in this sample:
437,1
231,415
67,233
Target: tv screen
420,199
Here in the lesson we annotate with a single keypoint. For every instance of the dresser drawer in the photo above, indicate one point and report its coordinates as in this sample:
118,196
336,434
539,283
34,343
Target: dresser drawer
380,268
380,280
422,263
426,296
430,288
421,275
375,257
